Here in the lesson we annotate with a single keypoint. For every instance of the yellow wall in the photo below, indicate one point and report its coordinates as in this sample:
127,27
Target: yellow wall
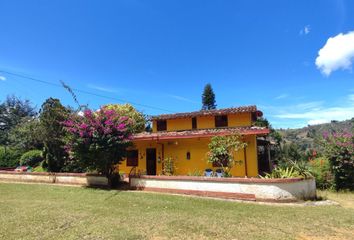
205,122
198,148
240,119
179,124
234,120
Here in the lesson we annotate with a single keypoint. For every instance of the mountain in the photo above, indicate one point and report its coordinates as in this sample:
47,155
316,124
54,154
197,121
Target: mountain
306,137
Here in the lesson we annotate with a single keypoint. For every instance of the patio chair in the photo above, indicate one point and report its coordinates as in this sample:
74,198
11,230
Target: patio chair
219,172
208,172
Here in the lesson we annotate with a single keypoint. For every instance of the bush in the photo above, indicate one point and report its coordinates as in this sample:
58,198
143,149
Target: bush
290,169
168,167
339,149
321,170
283,172
9,157
31,158
39,169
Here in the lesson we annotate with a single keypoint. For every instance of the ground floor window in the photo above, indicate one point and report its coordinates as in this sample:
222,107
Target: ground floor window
132,158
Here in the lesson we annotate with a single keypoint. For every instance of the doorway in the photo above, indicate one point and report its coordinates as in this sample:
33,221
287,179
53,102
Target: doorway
151,161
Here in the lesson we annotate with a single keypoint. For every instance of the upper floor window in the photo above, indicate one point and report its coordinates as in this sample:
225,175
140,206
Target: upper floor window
161,125
194,123
221,121
132,158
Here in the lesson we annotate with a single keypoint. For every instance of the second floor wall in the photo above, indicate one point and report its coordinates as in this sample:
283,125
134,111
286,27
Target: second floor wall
203,122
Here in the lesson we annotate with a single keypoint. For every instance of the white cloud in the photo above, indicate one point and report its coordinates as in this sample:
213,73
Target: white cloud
282,96
309,105
103,89
317,121
315,111
311,113
181,98
337,53
306,30
2,78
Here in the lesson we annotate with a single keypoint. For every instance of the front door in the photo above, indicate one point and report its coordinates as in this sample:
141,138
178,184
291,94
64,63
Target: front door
151,161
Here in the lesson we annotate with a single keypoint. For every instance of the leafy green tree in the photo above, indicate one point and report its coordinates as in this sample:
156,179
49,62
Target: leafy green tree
222,150
262,122
291,152
9,157
52,115
208,98
27,135
12,111
138,118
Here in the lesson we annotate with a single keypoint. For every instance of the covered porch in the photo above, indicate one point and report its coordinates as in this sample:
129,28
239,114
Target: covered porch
188,151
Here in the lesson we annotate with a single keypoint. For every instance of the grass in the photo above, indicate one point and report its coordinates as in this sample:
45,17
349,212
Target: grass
345,199
31,211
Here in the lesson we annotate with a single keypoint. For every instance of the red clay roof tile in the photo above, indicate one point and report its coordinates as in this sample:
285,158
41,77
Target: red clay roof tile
213,112
200,133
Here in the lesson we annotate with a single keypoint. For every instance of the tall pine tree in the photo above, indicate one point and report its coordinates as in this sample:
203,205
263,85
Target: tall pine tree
52,116
208,98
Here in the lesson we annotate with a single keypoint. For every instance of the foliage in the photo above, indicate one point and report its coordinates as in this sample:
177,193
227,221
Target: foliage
292,152
321,170
208,98
303,168
12,111
282,172
128,110
291,169
222,150
52,114
98,140
9,157
262,122
310,137
31,158
339,149
195,172
39,169
169,167
27,135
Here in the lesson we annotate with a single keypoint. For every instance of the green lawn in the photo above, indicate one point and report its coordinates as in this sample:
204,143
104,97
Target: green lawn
31,211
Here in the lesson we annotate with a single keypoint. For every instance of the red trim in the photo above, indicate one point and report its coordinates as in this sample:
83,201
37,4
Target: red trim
52,174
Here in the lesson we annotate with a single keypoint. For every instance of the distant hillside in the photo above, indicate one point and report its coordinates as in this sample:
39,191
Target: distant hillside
306,137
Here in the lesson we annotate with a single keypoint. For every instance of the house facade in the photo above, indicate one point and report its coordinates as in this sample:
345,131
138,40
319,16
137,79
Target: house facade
184,137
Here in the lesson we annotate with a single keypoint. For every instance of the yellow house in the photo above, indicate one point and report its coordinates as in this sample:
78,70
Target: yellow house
185,137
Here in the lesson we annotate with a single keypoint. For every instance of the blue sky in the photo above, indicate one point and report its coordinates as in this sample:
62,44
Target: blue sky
290,58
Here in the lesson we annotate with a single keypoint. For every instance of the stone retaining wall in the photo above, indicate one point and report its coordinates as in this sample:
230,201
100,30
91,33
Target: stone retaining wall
281,190
82,179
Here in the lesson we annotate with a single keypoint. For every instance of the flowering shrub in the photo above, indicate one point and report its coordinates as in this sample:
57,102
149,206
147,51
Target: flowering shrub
321,170
222,150
98,140
339,149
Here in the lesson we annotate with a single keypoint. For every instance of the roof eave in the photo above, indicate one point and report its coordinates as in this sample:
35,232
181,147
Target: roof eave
258,132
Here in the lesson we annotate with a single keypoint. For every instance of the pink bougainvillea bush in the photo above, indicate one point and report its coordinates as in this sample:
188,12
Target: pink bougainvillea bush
97,140
339,149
